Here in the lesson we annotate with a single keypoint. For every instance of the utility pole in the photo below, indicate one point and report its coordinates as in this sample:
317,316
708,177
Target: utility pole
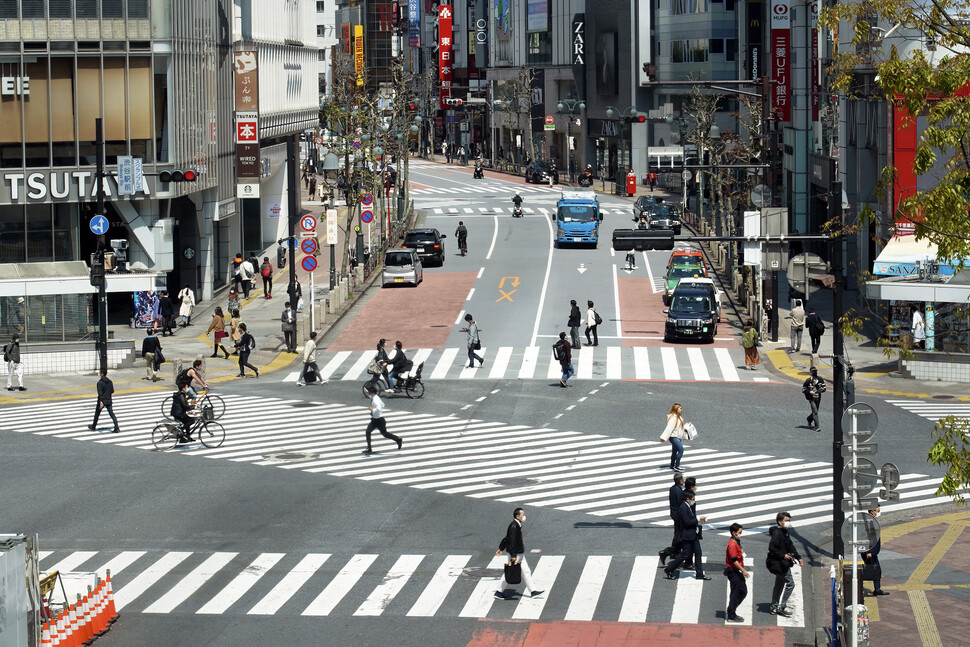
99,211
293,210
838,368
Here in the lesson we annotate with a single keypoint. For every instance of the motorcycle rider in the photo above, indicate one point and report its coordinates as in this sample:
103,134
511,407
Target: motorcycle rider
479,169
586,177
462,235
517,201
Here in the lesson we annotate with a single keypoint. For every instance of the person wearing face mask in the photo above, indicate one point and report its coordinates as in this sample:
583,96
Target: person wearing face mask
513,545
872,557
781,557
736,573
690,535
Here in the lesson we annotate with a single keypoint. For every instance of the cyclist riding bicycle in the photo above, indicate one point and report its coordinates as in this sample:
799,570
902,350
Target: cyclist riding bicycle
180,412
399,365
462,235
189,377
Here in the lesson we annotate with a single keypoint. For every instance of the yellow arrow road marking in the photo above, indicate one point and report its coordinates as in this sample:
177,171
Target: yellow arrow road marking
514,280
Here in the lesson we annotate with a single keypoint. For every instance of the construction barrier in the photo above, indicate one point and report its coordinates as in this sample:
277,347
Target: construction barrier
83,621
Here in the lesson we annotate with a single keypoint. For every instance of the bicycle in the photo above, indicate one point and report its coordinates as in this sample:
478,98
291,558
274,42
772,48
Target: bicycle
413,386
211,434
463,246
203,400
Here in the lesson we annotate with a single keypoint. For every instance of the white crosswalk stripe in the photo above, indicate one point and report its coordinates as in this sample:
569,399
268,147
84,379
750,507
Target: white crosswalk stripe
493,211
575,587
601,475
668,363
934,410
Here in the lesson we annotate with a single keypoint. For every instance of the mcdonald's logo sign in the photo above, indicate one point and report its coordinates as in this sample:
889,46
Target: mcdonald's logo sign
755,23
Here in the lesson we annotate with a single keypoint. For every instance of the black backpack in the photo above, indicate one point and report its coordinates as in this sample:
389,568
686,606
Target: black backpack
558,350
597,318
183,378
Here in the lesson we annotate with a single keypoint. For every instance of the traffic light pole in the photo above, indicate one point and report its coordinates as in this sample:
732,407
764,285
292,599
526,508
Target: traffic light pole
99,210
293,188
838,369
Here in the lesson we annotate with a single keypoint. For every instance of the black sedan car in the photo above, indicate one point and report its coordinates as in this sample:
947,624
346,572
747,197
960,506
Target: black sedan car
428,244
538,172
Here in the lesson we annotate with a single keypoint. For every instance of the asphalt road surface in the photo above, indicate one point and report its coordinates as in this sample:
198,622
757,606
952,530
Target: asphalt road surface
287,534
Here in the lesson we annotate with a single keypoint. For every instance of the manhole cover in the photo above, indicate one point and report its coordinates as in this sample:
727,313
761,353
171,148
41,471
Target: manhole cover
290,457
516,481
303,405
943,397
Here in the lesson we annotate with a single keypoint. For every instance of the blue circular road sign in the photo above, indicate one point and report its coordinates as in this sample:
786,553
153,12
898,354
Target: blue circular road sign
308,246
367,199
309,263
99,225
366,215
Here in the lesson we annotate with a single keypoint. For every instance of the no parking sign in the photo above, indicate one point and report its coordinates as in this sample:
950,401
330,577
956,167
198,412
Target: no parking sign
367,215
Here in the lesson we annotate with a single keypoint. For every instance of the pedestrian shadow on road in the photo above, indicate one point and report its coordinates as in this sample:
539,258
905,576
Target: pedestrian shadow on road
810,550
603,524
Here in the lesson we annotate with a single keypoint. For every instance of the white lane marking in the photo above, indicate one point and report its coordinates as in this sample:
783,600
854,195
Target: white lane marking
355,371
587,593
238,587
500,363
391,584
555,368
728,370
190,583
469,210
128,593
668,357
746,608
444,363
72,561
470,294
636,602
641,362
796,602
544,576
687,599
616,301
121,561
529,360
697,365
438,211
614,363
440,586
481,398
481,271
585,369
491,247
545,282
480,601
469,373
461,314
339,586
334,364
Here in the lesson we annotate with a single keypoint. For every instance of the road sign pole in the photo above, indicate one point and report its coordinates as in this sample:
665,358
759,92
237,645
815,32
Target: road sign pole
294,213
838,369
855,528
333,267
99,210
313,320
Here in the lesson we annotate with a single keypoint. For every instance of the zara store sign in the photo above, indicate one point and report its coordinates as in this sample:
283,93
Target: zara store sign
62,186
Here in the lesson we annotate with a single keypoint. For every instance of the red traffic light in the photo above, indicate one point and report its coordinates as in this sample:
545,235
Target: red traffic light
638,119
412,107
177,175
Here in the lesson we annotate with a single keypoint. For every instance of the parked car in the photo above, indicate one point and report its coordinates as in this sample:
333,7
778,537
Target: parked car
691,315
677,272
402,266
427,243
538,172
686,257
662,217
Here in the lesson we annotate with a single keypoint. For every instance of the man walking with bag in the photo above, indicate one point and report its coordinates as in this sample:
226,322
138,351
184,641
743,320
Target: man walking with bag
813,388
513,545
11,354
575,318
288,326
816,327
675,497
473,342
781,557
311,372
690,528
105,389
797,317
562,351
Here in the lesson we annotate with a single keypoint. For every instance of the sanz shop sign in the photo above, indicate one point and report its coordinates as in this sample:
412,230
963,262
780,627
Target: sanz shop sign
63,186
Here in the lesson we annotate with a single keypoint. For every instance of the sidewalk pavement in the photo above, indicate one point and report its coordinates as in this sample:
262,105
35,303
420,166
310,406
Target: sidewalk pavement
261,316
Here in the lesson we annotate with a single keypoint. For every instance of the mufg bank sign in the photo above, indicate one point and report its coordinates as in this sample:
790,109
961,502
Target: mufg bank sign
77,185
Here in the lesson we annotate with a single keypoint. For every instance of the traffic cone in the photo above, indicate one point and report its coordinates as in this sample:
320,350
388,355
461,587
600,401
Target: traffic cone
80,636
45,635
55,632
100,623
87,635
70,628
112,612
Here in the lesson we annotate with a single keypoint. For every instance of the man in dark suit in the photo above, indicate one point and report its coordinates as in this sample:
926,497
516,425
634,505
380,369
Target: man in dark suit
689,530
872,557
166,313
513,545
676,497
105,389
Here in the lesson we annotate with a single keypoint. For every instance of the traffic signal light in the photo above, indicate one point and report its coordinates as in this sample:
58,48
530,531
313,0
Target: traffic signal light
412,106
281,257
453,102
625,240
637,119
97,271
177,175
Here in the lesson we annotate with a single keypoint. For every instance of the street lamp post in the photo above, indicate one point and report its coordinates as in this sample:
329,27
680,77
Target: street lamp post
571,107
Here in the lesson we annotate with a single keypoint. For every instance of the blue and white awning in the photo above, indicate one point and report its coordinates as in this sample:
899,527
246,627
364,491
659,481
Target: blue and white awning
904,255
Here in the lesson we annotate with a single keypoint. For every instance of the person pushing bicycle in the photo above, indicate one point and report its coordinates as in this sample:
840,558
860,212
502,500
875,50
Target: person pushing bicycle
462,235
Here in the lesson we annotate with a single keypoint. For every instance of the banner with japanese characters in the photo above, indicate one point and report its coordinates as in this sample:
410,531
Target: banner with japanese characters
781,58
247,115
444,53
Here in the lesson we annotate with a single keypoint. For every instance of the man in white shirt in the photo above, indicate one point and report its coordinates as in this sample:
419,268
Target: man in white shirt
919,329
246,273
797,317
377,421
310,368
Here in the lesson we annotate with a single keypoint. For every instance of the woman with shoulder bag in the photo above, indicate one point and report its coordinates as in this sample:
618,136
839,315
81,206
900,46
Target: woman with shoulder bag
749,340
676,433
218,326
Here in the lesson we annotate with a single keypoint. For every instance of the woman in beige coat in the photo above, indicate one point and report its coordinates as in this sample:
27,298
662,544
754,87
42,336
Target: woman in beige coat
676,434
218,326
235,334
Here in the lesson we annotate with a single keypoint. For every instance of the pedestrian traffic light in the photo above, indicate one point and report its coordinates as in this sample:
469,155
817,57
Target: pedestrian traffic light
637,119
281,257
177,175
97,271
625,240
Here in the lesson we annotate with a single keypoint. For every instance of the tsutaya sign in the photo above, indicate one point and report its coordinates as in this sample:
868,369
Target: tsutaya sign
62,186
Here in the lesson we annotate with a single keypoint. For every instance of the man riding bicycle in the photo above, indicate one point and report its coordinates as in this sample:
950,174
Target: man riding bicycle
462,235
190,377
399,365
180,412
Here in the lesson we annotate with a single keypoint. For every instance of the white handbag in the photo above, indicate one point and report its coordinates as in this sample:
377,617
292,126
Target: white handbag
691,430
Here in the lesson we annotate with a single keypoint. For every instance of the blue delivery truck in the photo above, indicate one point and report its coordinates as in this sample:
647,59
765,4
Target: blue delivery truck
578,218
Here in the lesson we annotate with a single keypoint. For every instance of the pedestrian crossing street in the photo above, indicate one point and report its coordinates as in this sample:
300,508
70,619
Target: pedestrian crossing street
934,410
605,476
624,588
668,363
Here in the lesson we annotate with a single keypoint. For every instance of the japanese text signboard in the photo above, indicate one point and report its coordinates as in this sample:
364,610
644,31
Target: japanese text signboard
444,53
781,58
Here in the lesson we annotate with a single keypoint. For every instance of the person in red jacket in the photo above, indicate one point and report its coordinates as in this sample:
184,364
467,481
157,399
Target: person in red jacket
735,573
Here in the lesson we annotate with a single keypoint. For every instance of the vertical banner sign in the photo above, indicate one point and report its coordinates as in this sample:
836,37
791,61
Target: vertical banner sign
247,116
345,38
444,53
579,54
781,58
814,84
359,53
414,23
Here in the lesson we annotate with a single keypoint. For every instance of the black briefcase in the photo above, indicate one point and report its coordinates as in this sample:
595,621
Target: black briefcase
513,572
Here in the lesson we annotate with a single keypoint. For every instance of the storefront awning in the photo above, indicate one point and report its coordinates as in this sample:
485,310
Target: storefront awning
903,253
69,277
926,291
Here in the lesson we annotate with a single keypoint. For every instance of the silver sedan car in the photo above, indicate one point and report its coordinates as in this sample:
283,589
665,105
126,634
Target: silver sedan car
402,266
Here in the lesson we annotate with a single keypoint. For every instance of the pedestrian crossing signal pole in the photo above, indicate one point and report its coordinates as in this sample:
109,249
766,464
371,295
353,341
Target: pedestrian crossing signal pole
99,211
293,212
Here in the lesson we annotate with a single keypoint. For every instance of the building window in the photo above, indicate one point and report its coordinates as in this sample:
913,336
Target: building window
61,9
9,9
681,7
321,6
321,31
33,8
87,8
689,51
138,8
322,55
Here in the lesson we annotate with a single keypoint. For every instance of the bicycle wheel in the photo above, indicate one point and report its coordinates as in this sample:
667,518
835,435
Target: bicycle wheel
211,434
367,385
167,408
415,390
218,405
165,436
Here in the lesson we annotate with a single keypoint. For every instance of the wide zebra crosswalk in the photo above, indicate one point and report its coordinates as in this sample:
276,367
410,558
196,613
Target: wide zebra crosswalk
601,475
934,410
528,211
668,363
623,588
488,189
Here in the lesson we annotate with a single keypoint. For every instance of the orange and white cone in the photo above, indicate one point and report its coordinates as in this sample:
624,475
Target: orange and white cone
87,634
45,636
100,609
55,631
66,637
112,612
